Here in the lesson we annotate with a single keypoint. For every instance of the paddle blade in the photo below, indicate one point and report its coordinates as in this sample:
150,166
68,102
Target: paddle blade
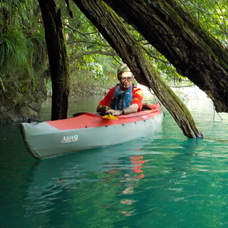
110,117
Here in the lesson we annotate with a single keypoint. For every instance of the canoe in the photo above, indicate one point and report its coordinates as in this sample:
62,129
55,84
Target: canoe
88,130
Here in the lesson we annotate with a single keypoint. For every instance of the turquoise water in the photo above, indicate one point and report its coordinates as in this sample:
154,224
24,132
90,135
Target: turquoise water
164,180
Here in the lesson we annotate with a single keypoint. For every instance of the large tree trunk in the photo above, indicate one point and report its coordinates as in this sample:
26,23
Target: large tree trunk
57,58
179,37
130,51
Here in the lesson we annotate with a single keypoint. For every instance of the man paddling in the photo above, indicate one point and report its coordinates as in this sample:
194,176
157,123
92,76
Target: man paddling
124,98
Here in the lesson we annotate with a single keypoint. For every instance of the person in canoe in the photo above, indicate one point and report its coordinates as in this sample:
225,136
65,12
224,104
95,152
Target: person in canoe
124,98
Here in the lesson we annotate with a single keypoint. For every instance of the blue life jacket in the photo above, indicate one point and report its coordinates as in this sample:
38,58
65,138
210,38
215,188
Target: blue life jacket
121,98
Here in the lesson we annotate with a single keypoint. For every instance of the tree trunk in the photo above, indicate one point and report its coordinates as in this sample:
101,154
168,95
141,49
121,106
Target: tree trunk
179,37
57,58
130,51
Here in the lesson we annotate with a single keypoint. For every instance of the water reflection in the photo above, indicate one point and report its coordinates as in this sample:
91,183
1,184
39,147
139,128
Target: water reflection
93,182
78,104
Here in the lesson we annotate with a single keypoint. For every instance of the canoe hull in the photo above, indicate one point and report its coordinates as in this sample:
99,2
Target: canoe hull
44,140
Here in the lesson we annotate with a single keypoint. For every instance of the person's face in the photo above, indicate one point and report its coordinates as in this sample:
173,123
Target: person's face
125,79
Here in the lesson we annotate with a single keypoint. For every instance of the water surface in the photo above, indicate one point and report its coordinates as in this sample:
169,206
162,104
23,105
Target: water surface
163,180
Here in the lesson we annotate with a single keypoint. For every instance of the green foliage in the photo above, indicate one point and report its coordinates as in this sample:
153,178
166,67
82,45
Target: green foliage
94,77
14,50
93,63
92,60
212,15
21,55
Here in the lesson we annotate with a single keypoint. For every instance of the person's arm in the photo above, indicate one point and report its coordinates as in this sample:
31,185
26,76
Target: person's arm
103,105
131,109
102,109
138,98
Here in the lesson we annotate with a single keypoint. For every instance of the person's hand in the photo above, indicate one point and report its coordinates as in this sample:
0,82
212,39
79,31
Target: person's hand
102,109
114,112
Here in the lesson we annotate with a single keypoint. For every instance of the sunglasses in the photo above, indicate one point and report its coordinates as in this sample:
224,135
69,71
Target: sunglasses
126,78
